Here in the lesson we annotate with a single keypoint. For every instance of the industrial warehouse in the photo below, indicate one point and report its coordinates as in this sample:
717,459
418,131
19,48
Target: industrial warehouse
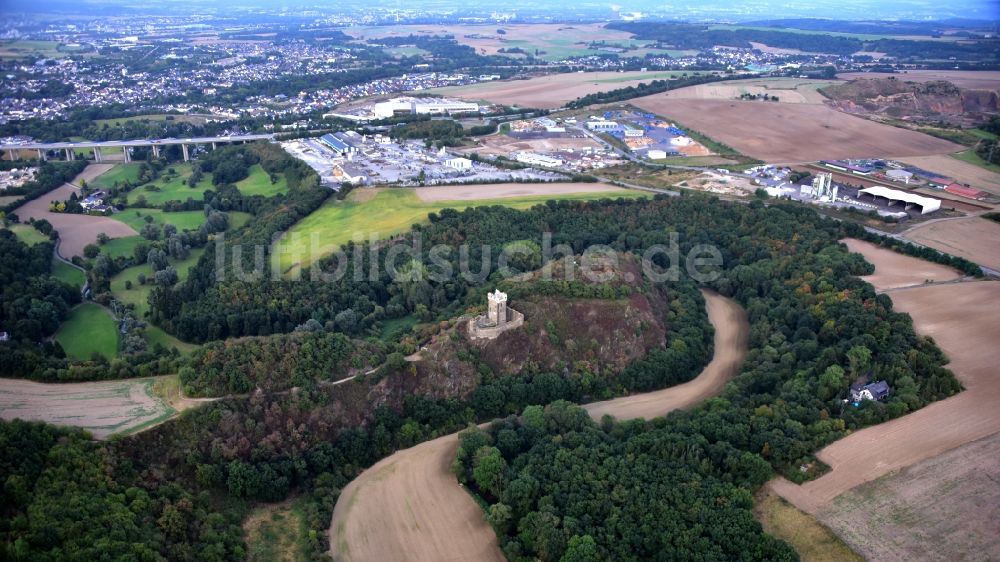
406,106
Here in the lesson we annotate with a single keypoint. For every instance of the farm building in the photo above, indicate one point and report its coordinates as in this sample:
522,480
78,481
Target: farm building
927,204
963,191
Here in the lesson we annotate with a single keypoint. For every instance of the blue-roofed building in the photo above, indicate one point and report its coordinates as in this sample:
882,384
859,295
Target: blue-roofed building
338,144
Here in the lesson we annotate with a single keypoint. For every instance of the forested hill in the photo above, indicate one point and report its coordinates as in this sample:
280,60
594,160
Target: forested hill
679,487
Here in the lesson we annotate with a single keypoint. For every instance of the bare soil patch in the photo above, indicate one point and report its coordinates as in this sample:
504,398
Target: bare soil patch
962,320
506,190
722,184
894,270
944,508
553,91
102,408
960,171
973,238
783,133
503,145
75,231
974,79
410,506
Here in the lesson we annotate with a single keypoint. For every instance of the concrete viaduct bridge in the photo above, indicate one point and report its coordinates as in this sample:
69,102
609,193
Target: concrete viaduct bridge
42,148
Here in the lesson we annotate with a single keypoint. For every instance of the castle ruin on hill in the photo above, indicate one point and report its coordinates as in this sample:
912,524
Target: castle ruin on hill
498,318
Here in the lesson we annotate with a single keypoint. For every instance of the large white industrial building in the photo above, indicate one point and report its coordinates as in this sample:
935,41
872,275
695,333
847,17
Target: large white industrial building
927,204
422,106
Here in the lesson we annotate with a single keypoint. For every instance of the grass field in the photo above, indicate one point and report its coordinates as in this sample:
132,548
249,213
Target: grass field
27,234
152,117
183,220
170,187
120,173
389,212
275,533
174,187
138,296
65,272
259,183
970,157
813,541
22,48
88,330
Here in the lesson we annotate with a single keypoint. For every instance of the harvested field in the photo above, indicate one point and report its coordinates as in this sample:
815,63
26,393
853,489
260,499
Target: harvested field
503,145
944,508
962,172
552,91
788,90
894,270
101,408
505,190
974,79
973,238
789,133
961,319
75,231
409,506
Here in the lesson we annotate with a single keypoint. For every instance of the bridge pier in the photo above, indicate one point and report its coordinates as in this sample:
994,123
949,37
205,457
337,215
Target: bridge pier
213,146
98,157
70,156
184,149
128,158
156,151
41,155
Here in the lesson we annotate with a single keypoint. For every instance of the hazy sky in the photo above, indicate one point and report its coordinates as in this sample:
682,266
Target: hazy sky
681,9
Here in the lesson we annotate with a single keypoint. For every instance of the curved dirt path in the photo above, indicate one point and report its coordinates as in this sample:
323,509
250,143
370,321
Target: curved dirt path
731,333
409,505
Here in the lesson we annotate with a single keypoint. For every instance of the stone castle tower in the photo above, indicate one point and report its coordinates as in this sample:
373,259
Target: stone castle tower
497,311
498,318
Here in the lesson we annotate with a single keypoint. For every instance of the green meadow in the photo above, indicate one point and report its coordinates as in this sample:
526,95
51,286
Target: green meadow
89,329
388,212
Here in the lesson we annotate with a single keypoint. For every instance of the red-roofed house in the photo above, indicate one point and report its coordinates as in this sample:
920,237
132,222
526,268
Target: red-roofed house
962,191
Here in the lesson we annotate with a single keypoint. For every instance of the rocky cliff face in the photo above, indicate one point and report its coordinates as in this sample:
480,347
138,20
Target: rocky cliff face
927,101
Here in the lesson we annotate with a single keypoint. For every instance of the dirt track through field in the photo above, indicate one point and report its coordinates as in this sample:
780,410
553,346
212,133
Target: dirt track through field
961,317
75,231
505,190
102,408
787,132
409,506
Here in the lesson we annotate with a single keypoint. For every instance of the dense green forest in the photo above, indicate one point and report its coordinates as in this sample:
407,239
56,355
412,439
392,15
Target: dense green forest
182,488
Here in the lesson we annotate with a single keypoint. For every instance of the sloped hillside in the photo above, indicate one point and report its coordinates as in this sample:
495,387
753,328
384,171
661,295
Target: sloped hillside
937,100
